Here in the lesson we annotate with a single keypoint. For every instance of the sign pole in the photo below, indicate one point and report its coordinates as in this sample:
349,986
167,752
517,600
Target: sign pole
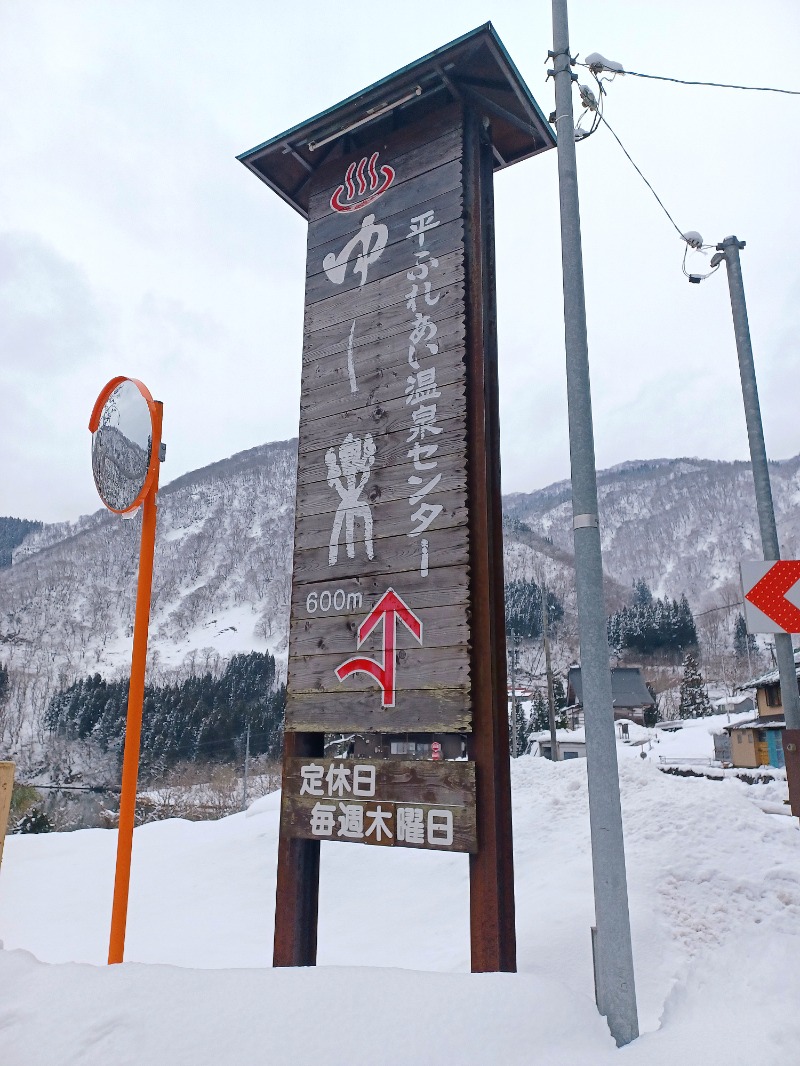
784,653
297,884
133,728
493,931
615,988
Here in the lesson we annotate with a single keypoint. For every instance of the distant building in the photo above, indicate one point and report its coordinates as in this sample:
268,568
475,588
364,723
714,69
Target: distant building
629,694
734,704
768,691
571,744
758,742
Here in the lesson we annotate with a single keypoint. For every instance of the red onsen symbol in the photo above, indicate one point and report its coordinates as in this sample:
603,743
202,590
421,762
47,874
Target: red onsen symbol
367,194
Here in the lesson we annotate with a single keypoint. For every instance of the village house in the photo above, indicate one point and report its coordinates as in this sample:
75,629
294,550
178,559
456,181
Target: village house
768,691
629,694
757,741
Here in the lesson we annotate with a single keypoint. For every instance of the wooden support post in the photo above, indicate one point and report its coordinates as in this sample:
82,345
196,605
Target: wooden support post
493,934
6,788
297,888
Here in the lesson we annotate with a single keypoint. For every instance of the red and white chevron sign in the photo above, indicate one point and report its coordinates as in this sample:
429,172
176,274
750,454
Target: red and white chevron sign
772,596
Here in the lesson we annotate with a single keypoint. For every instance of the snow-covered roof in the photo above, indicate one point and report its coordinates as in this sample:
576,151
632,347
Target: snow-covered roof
757,723
772,677
731,701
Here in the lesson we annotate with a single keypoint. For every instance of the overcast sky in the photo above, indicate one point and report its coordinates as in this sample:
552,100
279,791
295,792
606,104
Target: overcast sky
133,242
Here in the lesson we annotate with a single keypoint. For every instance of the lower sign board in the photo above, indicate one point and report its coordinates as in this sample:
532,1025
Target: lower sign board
771,596
391,802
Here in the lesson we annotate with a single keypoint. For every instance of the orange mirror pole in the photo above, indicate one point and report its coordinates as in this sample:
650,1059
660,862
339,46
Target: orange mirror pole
133,728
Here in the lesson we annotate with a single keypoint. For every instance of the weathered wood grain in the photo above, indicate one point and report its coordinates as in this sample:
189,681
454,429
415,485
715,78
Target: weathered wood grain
418,592
416,668
375,295
446,546
420,781
436,190
388,488
392,520
378,327
448,710
391,450
383,354
384,385
336,633
378,418
297,819
408,153
396,258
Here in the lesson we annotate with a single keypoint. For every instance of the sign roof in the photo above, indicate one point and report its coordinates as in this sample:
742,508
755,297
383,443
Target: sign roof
475,68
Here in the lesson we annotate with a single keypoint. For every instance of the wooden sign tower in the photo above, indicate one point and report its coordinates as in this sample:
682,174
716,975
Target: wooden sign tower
397,639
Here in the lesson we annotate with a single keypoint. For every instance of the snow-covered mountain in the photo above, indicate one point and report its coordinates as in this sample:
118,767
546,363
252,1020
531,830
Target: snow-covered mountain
224,550
682,525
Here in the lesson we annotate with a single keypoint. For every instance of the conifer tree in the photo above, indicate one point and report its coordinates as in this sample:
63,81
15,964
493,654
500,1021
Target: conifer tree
694,701
539,716
743,642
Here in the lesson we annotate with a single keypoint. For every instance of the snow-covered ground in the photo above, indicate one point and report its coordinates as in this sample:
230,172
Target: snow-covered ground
715,905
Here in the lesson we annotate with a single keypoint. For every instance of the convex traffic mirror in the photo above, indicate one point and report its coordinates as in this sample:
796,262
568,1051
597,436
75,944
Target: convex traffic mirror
124,445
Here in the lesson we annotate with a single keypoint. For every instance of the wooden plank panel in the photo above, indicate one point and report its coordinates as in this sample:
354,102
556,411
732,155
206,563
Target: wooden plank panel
372,360
375,295
443,627
393,519
392,450
418,592
443,828
417,669
392,555
406,152
448,710
379,326
377,419
397,257
436,190
387,384
422,781
386,486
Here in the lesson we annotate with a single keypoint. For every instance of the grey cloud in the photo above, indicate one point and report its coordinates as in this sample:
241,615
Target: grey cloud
49,317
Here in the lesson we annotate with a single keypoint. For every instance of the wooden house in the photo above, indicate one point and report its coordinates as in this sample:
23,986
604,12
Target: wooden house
768,691
629,693
758,742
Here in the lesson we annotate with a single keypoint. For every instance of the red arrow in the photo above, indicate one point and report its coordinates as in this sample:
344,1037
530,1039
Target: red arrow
388,609
769,594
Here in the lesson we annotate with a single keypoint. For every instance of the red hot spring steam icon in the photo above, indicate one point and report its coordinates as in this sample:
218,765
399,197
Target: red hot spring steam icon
363,184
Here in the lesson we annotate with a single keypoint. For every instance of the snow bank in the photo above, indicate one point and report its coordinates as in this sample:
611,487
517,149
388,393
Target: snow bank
715,907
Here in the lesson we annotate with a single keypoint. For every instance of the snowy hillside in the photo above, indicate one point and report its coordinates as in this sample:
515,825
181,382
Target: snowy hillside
220,586
223,563
682,525
715,909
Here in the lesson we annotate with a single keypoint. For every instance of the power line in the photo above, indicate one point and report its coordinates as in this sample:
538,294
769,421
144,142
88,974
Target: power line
604,120
684,81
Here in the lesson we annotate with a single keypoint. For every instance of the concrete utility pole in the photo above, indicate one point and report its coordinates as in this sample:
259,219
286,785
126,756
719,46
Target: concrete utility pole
514,741
614,979
246,766
551,702
790,695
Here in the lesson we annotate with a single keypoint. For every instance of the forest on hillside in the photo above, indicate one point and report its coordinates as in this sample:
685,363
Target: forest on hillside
202,718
